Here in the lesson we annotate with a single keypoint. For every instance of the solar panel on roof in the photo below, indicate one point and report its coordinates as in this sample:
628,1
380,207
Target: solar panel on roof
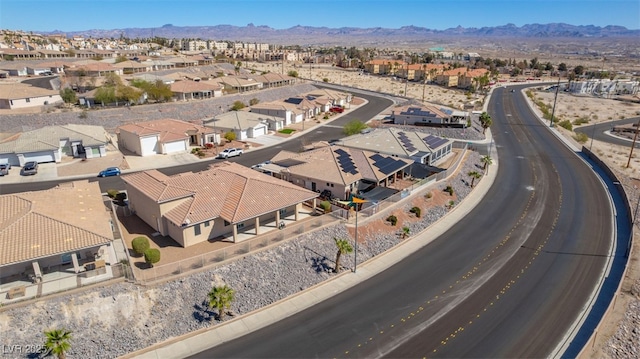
376,157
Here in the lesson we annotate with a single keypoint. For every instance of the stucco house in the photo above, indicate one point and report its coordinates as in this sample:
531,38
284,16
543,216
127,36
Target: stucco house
417,146
19,95
225,199
195,90
428,115
339,169
42,240
244,124
163,136
51,143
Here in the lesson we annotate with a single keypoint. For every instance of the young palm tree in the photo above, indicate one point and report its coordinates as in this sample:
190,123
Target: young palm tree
220,298
486,161
58,342
343,247
474,176
405,232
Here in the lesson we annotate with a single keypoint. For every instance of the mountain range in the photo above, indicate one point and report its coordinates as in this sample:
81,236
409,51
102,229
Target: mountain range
308,35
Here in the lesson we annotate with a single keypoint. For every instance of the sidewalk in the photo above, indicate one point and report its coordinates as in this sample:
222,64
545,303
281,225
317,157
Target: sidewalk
198,341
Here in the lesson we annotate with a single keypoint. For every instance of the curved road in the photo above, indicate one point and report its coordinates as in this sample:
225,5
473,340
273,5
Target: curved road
597,131
509,281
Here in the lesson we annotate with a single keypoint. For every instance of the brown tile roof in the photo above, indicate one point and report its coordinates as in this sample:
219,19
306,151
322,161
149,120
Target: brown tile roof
17,90
169,130
226,190
188,86
64,219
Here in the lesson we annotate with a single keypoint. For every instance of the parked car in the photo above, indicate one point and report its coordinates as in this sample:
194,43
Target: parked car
111,171
230,152
30,168
4,169
336,109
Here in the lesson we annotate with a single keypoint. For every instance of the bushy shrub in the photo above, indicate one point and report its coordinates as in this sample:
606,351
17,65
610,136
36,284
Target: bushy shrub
152,256
581,137
112,193
230,136
428,195
326,206
449,190
416,210
566,124
393,220
140,245
208,145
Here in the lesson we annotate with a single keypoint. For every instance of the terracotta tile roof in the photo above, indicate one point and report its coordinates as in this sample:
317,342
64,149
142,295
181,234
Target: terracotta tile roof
169,130
64,219
226,190
188,86
455,72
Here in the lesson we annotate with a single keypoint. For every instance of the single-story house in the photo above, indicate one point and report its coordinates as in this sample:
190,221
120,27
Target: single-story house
341,170
239,84
337,98
244,124
52,233
14,69
190,90
417,146
427,115
163,136
19,95
271,79
226,198
278,109
49,144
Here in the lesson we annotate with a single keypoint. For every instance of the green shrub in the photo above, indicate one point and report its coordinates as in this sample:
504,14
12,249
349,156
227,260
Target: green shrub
393,220
326,206
416,211
566,124
140,245
581,120
449,190
451,204
112,193
287,131
152,256
120,196
581,137
230,136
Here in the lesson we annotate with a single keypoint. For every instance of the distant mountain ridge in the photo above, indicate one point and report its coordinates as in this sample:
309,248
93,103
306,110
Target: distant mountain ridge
314,35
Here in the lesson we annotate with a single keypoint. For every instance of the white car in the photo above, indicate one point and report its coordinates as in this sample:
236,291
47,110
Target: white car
230,152
259,166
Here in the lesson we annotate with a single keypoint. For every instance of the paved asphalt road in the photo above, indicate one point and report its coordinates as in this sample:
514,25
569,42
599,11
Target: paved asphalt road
509,281
597,131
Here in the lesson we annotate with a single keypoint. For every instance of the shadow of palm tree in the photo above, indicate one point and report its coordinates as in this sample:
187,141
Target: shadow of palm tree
203,313
319,264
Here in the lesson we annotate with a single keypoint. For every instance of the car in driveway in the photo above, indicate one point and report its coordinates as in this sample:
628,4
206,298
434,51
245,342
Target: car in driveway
29,169
110,171
336,109
259,166
4,169
230,152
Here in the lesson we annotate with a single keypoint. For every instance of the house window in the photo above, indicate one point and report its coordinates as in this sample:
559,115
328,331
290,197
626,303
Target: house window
226,223
27,99
282,211
207,224
197,230
240,225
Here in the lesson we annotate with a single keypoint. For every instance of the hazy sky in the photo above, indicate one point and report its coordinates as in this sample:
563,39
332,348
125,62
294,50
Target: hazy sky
77,15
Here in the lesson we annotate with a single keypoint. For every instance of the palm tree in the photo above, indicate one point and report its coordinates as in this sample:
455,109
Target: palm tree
343,247
486,161
220,298
486,121
58,342
474,176
405,232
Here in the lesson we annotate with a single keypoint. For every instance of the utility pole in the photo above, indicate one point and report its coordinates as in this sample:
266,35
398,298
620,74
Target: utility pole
635,137
553,111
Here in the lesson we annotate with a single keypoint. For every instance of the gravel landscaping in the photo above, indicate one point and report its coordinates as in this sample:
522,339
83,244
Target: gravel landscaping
118,319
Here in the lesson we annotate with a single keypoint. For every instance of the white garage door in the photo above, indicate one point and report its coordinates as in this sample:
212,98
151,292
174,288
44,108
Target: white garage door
40,157
10,158
148,145
173,147
259,131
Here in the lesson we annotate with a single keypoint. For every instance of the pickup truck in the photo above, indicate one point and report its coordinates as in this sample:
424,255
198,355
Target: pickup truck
230,152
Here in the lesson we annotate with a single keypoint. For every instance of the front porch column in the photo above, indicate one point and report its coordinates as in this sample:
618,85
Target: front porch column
257,226
235,233
277,218
76,266
36,270
296,211
314,205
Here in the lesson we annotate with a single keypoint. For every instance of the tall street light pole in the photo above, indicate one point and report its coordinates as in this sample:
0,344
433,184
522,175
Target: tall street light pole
555,99
635,137
593,132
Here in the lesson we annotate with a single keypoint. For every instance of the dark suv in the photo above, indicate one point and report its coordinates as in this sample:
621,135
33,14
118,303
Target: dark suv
29,168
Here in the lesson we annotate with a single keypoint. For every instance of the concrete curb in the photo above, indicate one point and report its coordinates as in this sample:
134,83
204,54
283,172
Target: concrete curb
200,340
